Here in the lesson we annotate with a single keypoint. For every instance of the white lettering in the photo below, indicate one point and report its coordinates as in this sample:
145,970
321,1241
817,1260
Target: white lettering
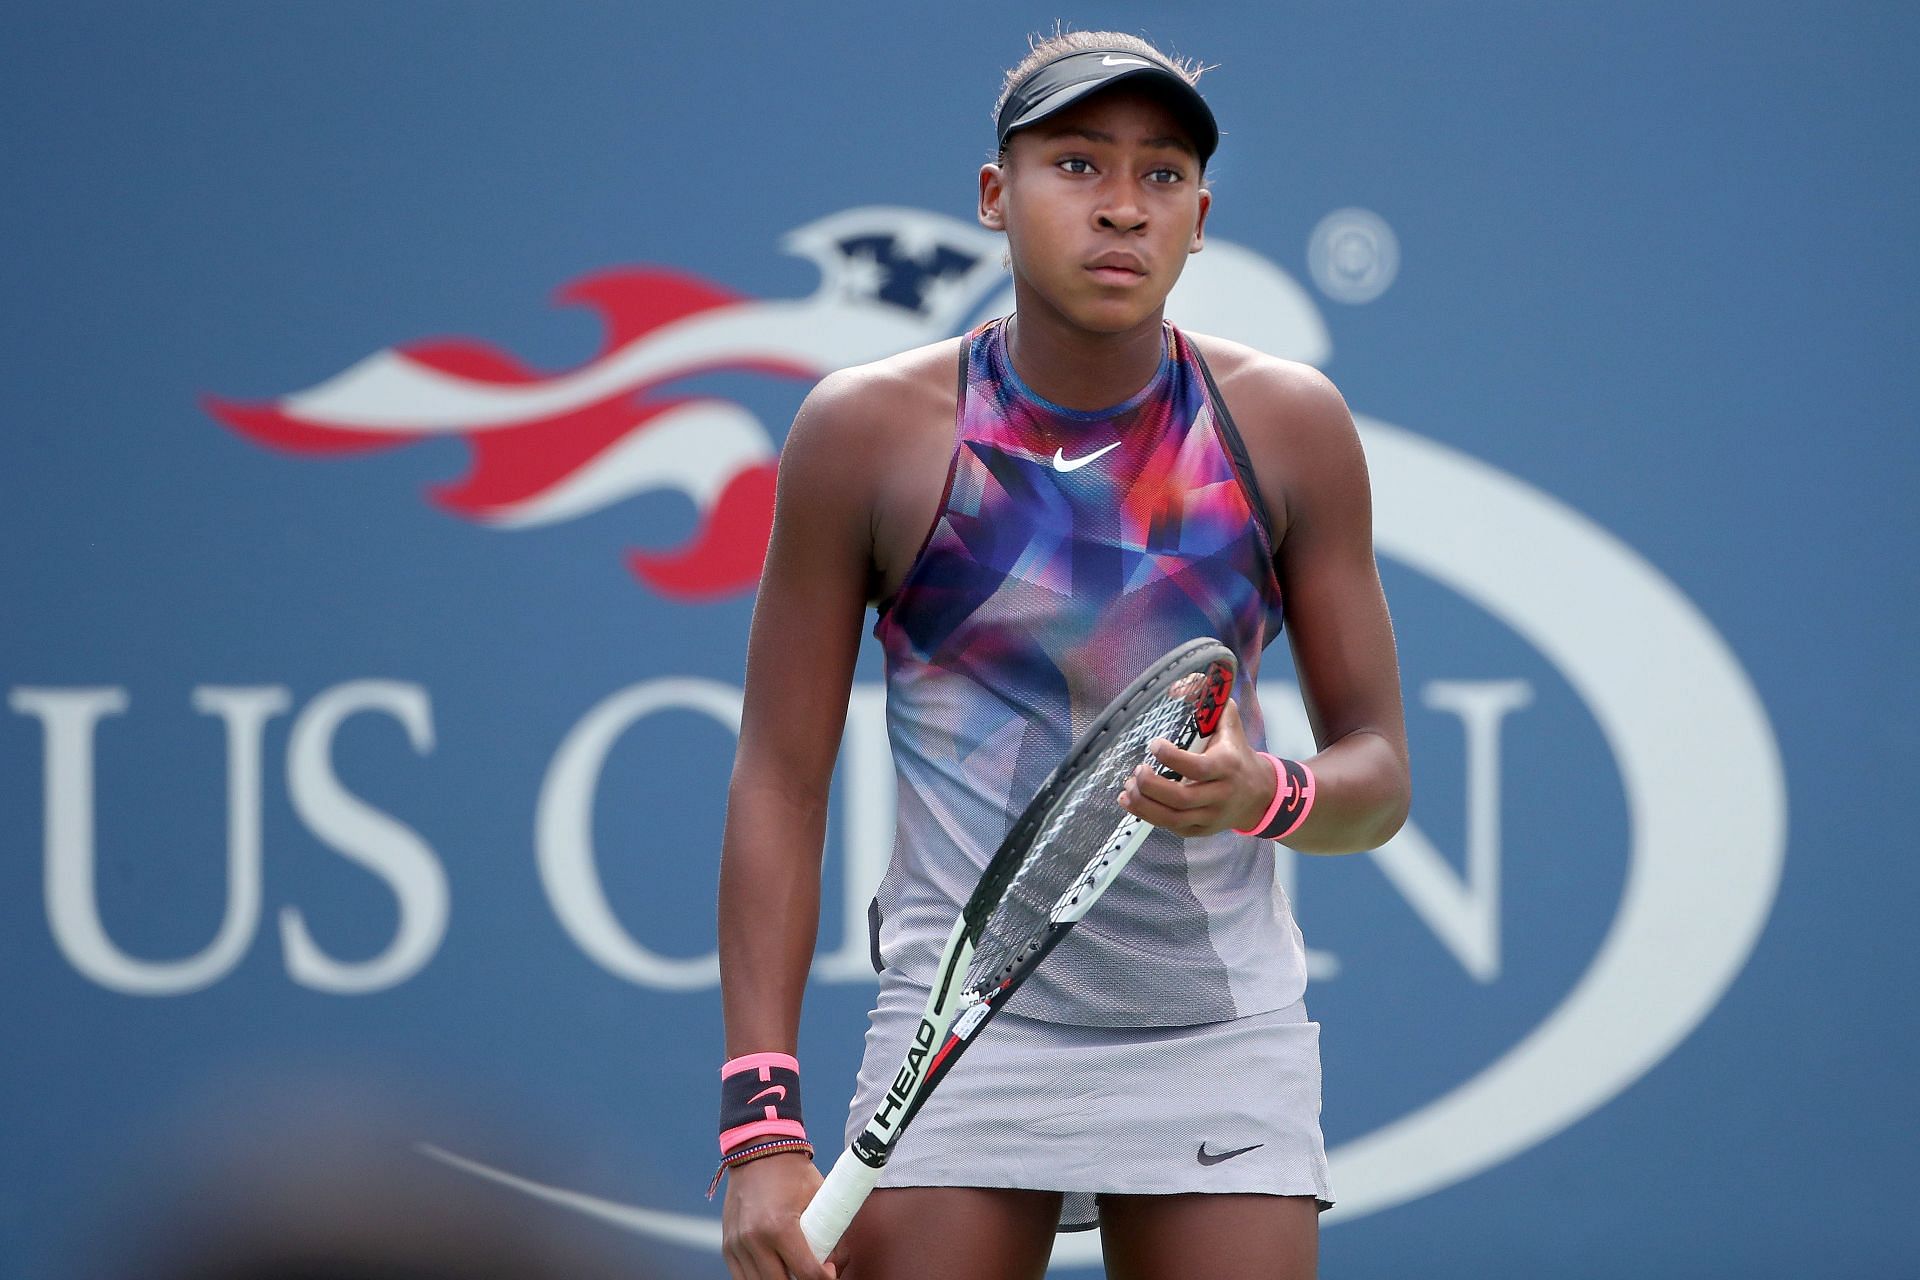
73,911
1463,911
563,831
376,840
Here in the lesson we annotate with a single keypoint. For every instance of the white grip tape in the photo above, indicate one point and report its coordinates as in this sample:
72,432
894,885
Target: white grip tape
837,1200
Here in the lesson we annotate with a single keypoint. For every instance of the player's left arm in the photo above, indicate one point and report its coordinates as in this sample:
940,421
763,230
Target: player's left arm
1313,476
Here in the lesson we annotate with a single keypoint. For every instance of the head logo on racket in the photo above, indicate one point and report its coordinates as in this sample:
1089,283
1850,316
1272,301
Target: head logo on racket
1212,703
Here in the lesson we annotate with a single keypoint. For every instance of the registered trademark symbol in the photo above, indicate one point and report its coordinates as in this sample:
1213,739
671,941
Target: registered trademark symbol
1353,255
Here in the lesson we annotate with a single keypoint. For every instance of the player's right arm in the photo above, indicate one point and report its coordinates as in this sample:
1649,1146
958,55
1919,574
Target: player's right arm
800,657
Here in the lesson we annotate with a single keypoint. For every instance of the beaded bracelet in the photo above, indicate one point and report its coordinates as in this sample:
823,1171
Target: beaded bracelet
1293,789
754,1151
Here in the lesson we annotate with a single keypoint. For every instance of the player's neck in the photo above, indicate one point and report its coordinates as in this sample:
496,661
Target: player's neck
1076,368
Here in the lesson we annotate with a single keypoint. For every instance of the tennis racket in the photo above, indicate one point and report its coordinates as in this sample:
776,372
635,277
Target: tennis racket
1065,849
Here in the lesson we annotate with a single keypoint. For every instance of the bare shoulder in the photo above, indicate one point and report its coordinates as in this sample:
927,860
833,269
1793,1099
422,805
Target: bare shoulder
1298,430
1266,393
864,462
875,406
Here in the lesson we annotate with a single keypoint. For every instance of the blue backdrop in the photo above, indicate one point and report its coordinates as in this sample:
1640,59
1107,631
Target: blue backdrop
354,573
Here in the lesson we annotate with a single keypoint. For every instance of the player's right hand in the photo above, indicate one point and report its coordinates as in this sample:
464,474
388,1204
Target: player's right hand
760,1226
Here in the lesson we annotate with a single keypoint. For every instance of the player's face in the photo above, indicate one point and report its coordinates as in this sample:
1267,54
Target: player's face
1101,205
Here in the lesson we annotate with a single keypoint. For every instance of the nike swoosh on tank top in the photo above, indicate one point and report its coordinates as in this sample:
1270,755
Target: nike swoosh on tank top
1046,584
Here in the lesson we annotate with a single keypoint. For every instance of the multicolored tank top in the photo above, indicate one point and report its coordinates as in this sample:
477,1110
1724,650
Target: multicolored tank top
1071,549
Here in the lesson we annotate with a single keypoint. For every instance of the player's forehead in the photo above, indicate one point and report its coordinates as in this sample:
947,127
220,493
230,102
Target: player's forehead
1122,114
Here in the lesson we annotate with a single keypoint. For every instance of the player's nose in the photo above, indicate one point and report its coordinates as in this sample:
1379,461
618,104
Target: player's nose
1121,209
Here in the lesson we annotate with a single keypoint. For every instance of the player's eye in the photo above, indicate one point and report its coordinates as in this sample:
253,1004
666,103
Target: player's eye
1077,164
1166,176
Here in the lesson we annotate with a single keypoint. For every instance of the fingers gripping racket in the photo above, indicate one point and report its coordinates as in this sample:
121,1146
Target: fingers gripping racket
1065,849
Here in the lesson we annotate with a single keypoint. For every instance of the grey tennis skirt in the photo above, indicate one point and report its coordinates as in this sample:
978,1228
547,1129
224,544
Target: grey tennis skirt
1219,1107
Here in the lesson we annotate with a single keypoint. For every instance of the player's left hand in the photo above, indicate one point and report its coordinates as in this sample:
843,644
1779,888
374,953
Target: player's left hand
1224,786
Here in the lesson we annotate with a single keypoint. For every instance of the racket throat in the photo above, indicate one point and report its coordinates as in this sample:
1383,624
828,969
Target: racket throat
1112,859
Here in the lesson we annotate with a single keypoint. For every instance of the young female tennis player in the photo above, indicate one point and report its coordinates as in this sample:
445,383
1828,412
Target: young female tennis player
1037,510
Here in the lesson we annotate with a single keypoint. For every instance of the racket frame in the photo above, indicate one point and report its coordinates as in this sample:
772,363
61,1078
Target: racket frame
954,1016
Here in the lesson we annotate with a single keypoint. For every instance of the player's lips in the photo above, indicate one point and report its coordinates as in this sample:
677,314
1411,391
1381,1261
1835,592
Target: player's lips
1118,268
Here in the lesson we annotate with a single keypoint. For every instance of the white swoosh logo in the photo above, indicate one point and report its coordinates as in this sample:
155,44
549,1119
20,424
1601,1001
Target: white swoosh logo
1111,61
1061,463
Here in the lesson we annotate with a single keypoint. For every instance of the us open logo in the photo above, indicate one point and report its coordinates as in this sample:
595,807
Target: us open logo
1689,745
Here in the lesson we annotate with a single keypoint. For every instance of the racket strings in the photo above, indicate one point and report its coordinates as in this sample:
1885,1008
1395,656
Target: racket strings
1079,833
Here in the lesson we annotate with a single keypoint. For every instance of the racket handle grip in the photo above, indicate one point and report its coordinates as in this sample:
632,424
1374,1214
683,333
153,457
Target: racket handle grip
835,1203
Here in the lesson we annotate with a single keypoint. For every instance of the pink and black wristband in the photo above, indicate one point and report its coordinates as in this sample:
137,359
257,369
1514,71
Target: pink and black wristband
1293,789
760,1100
759,1111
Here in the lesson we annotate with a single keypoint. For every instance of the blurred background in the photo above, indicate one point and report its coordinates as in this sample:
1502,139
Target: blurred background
389,396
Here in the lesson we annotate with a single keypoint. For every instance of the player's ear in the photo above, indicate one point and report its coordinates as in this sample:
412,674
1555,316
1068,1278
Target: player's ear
1200,223
993,190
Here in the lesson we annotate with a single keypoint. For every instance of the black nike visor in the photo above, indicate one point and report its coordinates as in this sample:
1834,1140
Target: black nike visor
1054,86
